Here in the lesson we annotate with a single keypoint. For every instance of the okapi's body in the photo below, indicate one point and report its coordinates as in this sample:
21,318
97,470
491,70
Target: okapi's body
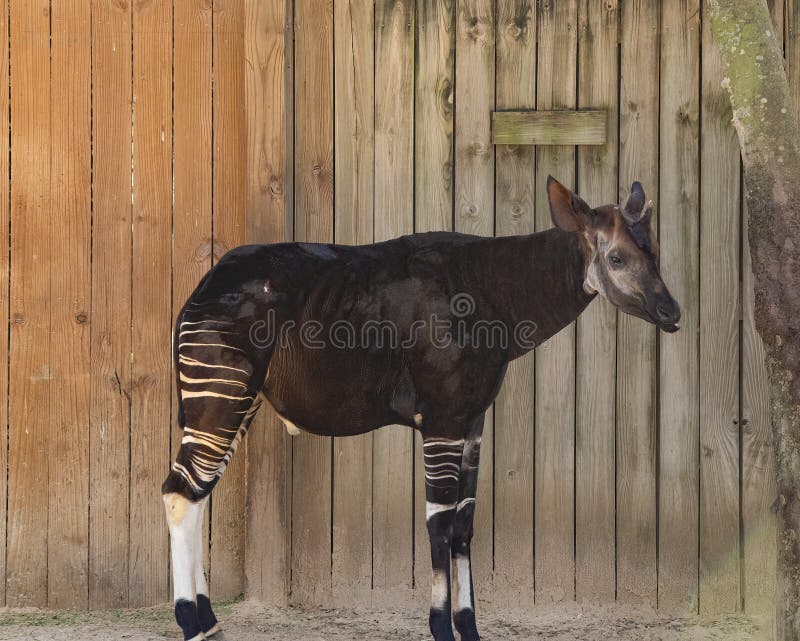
415,331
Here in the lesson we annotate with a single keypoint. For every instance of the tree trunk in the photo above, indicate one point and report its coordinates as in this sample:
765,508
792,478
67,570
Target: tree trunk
768,135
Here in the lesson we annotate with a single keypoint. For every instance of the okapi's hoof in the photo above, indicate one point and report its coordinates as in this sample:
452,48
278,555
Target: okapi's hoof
215,634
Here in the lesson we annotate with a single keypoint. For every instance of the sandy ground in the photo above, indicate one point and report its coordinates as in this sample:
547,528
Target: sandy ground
253,622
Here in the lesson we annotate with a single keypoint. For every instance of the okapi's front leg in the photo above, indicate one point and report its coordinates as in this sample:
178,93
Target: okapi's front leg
463,593
442,470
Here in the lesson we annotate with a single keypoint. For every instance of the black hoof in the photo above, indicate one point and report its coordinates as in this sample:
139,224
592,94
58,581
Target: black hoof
465,624
441,627
186,616
208,622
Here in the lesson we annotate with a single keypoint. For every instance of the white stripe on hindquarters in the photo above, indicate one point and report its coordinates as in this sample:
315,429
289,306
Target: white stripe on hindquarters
222,381
187,395
193,362
222,345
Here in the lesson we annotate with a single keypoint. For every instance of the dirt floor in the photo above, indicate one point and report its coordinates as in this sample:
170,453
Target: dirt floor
253,622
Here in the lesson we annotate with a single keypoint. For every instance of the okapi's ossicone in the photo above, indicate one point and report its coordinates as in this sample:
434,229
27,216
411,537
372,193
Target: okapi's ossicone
417,331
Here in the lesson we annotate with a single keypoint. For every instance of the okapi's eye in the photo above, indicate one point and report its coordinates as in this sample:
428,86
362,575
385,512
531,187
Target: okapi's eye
615,260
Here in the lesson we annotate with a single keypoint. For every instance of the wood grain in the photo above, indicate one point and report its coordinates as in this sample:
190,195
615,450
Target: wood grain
393,446
720,209
109,443
192,170
311,493
637,435
554,571
29,361
595,438
679,258
474,209
792,50
514,410
5,221
268,531
151,379
70,189
228,502
559,127
353,192
433,197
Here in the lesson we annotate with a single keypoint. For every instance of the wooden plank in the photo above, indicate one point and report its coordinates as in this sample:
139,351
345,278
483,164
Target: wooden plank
192,174
30,370
758,474
434,115
353,215
111,306
228,501
474,209
70,188
792,49
554,571
514,411
637,434
719,343
433,199
268,448
679,259
313,170
151,379
393,447
561,127
5,216
595,437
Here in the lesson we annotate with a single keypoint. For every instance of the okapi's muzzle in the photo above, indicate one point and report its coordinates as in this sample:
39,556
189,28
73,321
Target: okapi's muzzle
665,313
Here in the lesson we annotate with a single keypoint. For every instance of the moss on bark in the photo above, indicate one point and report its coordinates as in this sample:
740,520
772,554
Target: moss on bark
768,135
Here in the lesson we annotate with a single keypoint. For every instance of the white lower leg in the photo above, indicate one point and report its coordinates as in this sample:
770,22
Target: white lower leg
200,581
462,589
185,520
207,620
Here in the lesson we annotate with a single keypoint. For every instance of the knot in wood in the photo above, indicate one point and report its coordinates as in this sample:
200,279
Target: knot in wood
476,29
276,186
202,252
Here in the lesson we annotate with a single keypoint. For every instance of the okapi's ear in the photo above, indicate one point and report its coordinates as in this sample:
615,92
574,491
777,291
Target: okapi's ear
568,211
635,205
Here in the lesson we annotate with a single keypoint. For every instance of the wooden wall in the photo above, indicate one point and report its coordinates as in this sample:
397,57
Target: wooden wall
123,178
146,138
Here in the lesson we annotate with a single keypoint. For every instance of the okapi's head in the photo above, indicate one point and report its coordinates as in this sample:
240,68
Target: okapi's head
621,253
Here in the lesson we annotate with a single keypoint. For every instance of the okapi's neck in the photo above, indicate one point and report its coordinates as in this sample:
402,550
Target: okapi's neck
537,278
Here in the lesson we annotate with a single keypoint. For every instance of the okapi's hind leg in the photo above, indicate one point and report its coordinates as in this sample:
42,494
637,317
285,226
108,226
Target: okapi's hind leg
451,478
219,378
463,592
185,520
442,458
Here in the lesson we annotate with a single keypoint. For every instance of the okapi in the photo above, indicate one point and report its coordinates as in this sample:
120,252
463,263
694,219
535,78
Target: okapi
244,336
